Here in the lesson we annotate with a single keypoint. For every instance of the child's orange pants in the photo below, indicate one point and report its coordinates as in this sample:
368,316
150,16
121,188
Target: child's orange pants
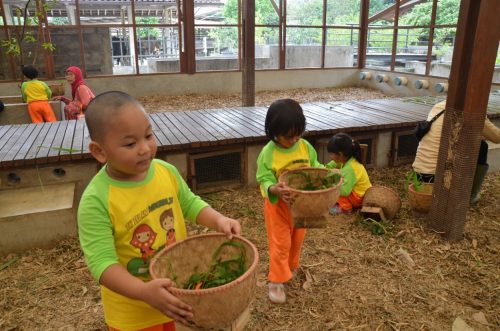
41,111
170,326
285,241
351,201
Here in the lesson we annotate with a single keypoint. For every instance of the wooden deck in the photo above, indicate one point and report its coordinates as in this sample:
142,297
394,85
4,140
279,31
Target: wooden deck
30,144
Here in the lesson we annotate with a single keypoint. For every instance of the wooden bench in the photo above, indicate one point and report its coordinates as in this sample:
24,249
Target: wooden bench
29,144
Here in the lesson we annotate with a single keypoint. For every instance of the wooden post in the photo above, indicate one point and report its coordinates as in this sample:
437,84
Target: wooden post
478,34
363,33
189,37
248,59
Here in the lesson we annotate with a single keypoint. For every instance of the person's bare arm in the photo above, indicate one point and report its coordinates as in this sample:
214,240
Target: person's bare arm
211,218
154,292
491,132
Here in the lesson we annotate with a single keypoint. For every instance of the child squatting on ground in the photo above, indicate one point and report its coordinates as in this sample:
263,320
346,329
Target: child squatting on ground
346,156
285,124
37,94
121,216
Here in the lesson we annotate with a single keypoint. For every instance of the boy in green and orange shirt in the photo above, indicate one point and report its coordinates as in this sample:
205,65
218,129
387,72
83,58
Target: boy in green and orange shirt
133,207
37,94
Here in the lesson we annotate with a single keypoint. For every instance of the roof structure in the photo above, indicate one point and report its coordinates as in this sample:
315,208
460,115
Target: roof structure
111,11
388,13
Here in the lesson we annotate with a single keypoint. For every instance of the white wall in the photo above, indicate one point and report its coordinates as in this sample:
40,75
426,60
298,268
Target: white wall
212,82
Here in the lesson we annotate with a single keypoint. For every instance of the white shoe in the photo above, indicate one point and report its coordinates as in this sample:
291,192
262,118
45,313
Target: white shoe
277,292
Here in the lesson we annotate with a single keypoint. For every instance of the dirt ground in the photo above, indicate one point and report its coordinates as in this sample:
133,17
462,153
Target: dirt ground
350,279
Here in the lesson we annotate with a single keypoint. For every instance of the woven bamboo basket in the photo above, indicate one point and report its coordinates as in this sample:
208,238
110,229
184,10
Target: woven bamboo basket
57,89
213,308
310,208
420,201
383,197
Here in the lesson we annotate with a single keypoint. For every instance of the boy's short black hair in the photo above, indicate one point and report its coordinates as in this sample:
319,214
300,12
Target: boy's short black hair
102,108
2,106
284,116
30,72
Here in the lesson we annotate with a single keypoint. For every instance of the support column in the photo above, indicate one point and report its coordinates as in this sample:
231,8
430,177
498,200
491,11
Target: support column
478,35
248,59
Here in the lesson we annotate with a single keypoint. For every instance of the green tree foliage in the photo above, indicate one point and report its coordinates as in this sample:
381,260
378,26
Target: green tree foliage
24,43
144,32
420,15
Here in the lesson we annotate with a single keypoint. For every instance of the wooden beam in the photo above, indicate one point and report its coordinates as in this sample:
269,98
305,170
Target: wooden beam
395,34
189,38
248,66
431,38
477,38
363,33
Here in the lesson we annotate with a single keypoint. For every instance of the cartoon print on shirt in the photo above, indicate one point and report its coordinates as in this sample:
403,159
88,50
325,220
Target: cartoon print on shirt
167,223
143,238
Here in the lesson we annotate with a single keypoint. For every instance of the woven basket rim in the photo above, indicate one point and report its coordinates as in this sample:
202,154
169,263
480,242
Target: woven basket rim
198,292
281,180
410,189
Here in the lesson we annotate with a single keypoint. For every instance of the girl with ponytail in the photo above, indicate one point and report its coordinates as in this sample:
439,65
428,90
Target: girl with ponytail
346,156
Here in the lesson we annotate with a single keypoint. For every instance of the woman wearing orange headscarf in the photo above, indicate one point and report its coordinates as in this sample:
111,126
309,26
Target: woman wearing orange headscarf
80,92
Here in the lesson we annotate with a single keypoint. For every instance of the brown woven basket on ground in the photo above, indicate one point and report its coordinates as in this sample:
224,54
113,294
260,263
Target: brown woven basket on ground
310,208
213,308
420,201
383,197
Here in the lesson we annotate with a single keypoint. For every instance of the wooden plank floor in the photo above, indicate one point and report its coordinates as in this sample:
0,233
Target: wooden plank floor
28,144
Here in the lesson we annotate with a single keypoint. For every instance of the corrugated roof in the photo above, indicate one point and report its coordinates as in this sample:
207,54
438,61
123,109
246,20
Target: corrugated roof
58,3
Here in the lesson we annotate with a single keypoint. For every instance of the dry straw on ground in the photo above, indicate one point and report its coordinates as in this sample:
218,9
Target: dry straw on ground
264,98
350,279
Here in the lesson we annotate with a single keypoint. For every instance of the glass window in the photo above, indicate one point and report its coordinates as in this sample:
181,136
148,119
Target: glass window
158,49
14,13
105,12
341,47
266,12
59,13
303,47
296,9
267,53
416,14
447,12
342,12
411,50
216,48
100,58
157,12
215,13
442,51
379,48
381,12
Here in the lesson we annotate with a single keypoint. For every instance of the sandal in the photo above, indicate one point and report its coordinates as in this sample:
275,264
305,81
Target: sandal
277,293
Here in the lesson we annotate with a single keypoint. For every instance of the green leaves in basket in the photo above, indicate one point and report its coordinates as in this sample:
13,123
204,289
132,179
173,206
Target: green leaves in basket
313,182
220,271
412,178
